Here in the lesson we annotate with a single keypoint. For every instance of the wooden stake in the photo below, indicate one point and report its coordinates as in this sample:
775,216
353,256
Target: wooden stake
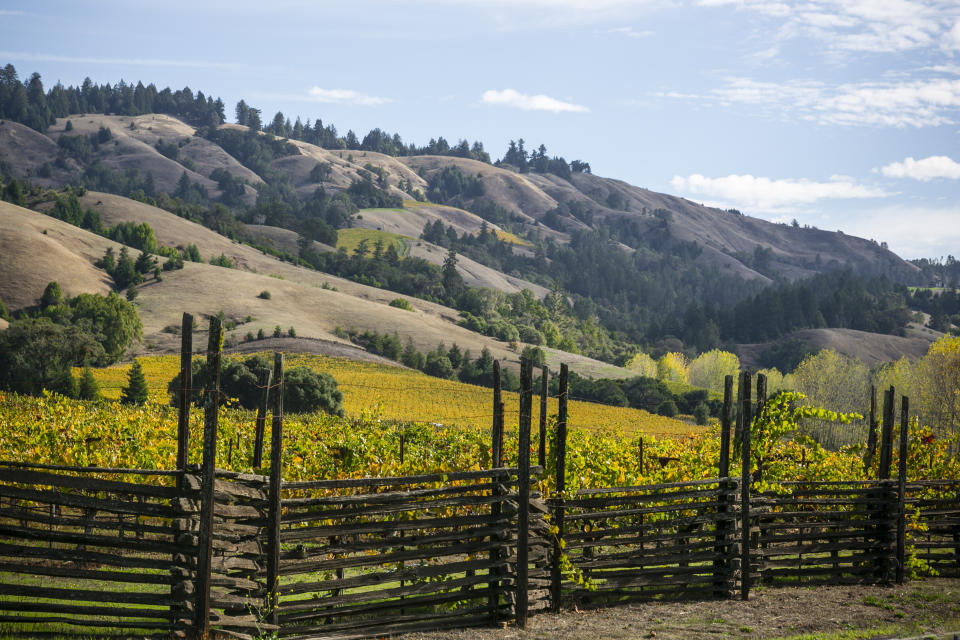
266,378
745,489
902,490
211,409
556,578
497,432
186,391
872,434
542,450
276,478
523,492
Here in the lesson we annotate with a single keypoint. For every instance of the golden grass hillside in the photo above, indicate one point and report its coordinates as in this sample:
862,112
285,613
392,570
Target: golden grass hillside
376,391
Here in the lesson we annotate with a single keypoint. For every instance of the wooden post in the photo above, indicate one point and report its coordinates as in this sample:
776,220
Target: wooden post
738,407
761,403
745,488
266,378
884,510
726,418
886,438
186,391
640,455
721,566
276,478
523,492
497,433
561,483
872,433
542,449
205,545
902,489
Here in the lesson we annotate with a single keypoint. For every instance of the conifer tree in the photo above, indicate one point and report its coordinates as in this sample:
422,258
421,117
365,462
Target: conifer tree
136,391
88,389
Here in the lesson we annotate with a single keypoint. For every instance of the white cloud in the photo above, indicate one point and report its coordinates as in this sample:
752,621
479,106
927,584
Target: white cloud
912,232
924,170
766,194
525,102
952,40
855,25
630,33
345,96
917,103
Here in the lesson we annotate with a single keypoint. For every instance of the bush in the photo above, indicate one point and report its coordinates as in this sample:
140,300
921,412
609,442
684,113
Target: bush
265,295
88,389
401,303
668,408
306,391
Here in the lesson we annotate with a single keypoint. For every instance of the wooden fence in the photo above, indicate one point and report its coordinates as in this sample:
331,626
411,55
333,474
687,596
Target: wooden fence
200,552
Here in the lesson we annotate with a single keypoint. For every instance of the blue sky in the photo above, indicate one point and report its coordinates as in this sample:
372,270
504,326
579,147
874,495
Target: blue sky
843,114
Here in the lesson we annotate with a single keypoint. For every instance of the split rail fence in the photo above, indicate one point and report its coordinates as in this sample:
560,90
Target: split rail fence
198,552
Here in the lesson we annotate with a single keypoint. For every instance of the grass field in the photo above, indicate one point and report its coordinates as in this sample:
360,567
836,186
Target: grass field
391,393
349,239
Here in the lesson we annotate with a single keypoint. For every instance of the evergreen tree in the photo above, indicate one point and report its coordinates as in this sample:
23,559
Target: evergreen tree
88,389
52,295
136,391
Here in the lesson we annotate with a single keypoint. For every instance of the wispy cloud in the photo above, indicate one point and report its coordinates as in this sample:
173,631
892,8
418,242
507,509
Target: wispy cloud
911,231
876,26
917,103
924,170
770,195
631,33
345,96
139,62
526,102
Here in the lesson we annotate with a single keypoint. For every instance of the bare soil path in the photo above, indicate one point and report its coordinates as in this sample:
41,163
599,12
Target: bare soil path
927,608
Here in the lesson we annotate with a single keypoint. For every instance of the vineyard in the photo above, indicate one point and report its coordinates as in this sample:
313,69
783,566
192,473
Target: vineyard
370,525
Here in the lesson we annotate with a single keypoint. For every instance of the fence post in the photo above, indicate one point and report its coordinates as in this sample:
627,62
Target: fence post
544,391
497,434
523,491
884,510
872,433
273,518
210,410
496,509
745,487
738,425
186,392
265,380
561,458
761,403
721,566
902,489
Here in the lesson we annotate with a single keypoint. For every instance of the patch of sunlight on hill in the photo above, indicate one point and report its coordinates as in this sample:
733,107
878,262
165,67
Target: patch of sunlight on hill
349,239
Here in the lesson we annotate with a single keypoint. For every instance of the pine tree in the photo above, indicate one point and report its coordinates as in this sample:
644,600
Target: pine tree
136,391
88,388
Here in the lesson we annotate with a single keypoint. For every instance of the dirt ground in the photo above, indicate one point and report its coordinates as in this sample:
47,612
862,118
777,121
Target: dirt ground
928,608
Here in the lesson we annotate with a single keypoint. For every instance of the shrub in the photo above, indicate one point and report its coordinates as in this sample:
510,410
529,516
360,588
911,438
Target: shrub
701,413
401,303
265,295
306,391
277,332
668,408
88,389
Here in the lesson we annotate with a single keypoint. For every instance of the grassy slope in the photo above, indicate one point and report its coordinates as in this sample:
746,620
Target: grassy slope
298,298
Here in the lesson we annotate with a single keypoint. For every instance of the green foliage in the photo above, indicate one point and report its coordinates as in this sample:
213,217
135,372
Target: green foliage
221,261
401,303
4,314
111,320
701,414
136,391
52,295
307,391
37,354
88,388
265,295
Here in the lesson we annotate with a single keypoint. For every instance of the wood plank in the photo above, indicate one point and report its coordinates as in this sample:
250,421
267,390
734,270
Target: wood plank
289,567
387,497
324,613
128,544
609,515
83,610
347,529
83,556
655,487
503,473
23,476
35,620
374,510
85,502
391,541
38,569
459,585
88,595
